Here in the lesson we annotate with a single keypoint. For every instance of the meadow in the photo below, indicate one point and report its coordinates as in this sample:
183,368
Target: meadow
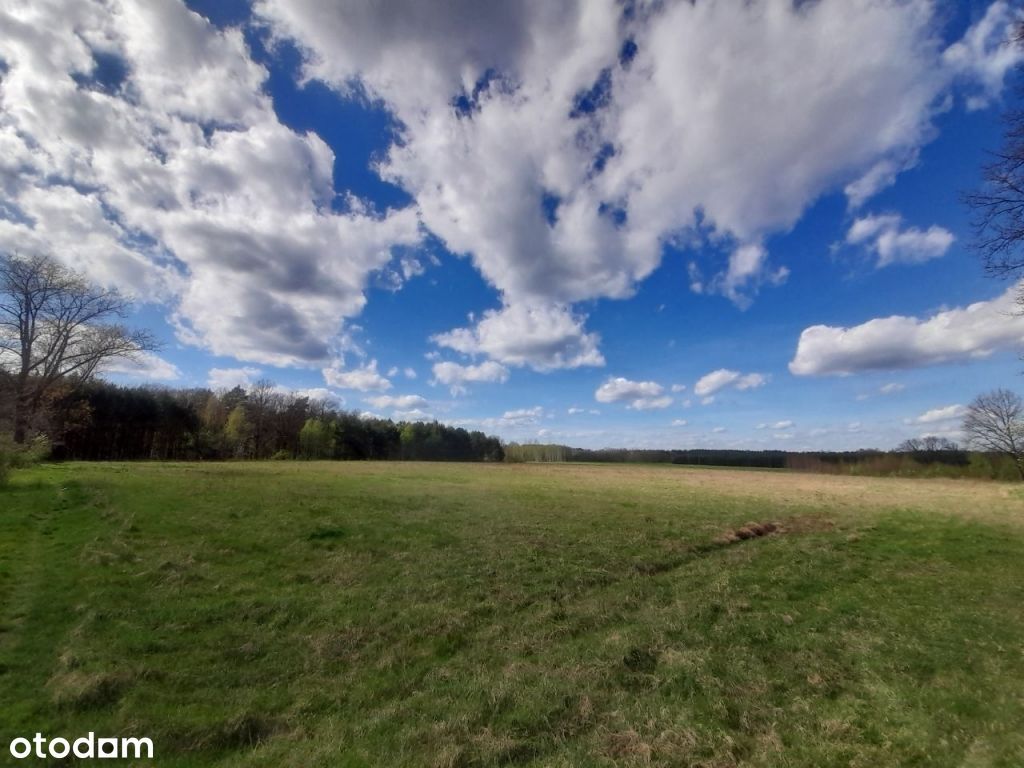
413,614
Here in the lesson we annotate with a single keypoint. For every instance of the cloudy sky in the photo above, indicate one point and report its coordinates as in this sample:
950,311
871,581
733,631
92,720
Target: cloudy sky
601,223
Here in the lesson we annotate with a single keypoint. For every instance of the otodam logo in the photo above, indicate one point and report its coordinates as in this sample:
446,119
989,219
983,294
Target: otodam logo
88,747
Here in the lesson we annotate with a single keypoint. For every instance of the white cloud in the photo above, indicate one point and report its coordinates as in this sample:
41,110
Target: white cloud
176,181
522,416
936,415
573,411
559,199
402,402
719,430
409,373
785,424
883,236
543,337
396,275
414,414
984,55
895,342
650,403
229,378
320,394
678,387
712,382
679,422
881,175
891,388
748,270
456,376
641,395
365,378
145,366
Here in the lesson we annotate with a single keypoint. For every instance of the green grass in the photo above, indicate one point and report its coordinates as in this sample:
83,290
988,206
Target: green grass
291,614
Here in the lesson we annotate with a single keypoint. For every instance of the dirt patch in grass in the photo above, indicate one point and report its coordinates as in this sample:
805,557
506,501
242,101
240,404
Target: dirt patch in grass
78,690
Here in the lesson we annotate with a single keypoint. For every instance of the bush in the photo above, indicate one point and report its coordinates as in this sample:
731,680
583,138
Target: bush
14,456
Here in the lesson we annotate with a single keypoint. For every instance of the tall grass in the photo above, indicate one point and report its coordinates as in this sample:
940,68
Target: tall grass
14,456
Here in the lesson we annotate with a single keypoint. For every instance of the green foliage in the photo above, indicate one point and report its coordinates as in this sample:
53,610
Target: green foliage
104,421
268,614
14,456
239,432
316,439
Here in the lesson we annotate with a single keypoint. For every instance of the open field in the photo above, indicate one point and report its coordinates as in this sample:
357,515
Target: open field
357,614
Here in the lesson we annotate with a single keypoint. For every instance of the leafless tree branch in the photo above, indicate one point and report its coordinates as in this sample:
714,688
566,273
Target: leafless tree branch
56,327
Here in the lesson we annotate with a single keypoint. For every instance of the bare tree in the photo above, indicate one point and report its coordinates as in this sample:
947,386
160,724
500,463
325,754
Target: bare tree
56,327
263,398
927,444
999,205
995,422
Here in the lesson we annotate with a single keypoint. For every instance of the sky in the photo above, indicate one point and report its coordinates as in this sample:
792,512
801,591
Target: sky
606,224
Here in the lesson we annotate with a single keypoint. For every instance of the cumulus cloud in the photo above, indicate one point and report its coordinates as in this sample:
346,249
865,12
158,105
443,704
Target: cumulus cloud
785,424
896,342
544,337
402,402
145,366
522,416
879,176
319,394
712,382
893,244
229,378
413,414
937,415
748,270
640,395
141,148
365,378
456,376
559,146
985,55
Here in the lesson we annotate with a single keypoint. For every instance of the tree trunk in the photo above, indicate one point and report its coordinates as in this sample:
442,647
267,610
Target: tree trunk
22,410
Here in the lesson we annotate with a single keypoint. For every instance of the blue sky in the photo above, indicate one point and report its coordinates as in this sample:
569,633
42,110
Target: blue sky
603,224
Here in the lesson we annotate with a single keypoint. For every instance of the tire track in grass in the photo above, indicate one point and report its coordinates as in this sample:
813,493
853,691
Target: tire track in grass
38,609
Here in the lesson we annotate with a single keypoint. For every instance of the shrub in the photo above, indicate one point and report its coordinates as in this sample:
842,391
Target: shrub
14,456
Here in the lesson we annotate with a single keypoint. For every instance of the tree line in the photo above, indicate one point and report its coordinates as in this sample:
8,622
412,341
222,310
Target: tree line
919,457
100,420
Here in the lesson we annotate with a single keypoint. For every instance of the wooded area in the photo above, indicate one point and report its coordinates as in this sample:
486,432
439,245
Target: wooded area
98,420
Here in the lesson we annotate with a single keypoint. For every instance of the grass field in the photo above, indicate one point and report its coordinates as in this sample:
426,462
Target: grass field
355,614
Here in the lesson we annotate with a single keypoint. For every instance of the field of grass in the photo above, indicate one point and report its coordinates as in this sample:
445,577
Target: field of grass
355,614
